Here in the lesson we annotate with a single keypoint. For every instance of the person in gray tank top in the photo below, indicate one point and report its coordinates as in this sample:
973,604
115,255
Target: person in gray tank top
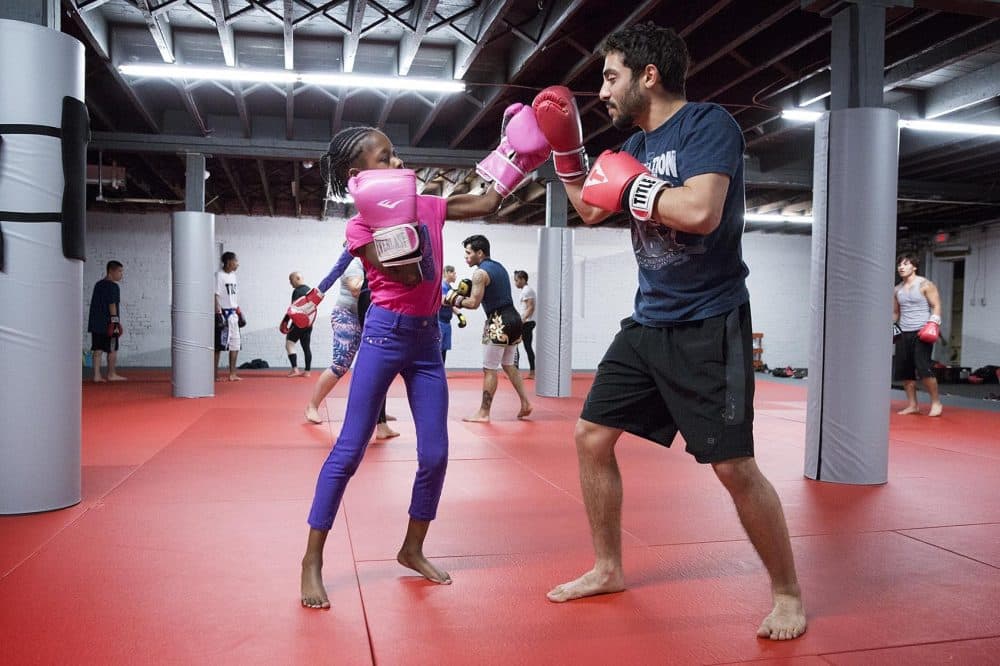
916,310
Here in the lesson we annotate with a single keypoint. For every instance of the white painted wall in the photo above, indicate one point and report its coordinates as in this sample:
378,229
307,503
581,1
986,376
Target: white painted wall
270,248
981,306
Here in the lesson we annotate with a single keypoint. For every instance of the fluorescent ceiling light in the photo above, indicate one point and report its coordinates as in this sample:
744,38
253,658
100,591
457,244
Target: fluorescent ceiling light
924,125
800,115
286,76
951,128
775,217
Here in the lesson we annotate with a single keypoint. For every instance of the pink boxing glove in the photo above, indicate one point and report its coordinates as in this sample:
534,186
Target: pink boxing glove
387,202
522,149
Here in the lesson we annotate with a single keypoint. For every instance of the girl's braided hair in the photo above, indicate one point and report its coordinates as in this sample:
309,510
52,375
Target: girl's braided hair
344,148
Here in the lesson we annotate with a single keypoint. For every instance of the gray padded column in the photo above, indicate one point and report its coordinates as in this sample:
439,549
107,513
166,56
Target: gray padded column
41,318
853,247
554,313
192,311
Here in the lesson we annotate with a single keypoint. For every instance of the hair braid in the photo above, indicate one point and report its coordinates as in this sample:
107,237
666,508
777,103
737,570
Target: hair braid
344,148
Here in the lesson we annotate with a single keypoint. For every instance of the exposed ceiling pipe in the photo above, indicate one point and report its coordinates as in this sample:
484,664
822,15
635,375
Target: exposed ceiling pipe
125,200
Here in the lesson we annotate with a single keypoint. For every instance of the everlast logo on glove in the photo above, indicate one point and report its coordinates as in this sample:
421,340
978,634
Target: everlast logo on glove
385,203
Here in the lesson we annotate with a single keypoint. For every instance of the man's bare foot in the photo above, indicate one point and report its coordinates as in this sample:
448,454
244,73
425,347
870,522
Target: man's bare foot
786,621
478,417
383,431
422,566
235,378
312,414
313,591
589,584
530,374
295,372
117,378
99,380
525,411
910,409
936,409
306,373
390,417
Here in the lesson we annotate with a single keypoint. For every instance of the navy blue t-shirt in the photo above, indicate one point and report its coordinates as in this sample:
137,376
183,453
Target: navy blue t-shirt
498,293
106,292
682,276
444,314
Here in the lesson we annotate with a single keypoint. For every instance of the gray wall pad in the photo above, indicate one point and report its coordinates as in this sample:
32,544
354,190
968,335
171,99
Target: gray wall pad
39,336
554,313
853,248
40,369
192,311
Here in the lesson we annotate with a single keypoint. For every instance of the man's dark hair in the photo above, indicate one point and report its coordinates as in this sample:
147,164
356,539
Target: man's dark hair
448,268
113,265
345,147
521,274
477,243
227,257
649,44
912,258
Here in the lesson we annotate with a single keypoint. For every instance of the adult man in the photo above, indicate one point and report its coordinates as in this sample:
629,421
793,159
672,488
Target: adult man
527,310
296,334
104,321
916,314
681,362
228,316
446,311
490,287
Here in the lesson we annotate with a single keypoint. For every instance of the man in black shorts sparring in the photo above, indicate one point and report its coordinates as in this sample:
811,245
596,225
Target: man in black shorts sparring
682,361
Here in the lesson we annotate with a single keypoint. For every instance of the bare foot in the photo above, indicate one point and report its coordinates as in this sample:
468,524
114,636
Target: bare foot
786,621
936,409
525,411
910,409
390,417
295,372
382,431
234,378
99,380
220,378
478,417
312,414
117,378
588,585
313,591
306,373
422,566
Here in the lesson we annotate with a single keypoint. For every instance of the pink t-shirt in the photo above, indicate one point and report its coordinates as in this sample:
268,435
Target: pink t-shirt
423,300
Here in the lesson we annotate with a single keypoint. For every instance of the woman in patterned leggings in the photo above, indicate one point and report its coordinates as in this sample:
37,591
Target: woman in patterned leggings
347,320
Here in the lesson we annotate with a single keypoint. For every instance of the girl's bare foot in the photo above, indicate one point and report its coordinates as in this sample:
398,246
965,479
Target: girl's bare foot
422,566
313,591
312,414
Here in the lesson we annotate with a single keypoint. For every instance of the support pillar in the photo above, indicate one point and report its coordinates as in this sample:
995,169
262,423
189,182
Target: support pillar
554,309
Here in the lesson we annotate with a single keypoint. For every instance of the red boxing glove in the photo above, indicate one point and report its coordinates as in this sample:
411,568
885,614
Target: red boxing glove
559,120
930,332
284,325
618,182
302,311
115,329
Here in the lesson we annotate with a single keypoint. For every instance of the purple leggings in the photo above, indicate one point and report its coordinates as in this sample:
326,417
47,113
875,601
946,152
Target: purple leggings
391,344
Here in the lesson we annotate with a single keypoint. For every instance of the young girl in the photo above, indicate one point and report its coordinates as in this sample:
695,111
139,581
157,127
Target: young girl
400,336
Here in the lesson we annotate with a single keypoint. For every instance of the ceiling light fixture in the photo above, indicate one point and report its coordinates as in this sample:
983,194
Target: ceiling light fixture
775,217
924,125
285,76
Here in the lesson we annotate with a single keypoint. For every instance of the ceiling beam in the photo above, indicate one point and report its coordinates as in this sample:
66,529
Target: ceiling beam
356,20
234,183
191,106
220,11
266,187
734,41
965,91
287,34
161,32
420,17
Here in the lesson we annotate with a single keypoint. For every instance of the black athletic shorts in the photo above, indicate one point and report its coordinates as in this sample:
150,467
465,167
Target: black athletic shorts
695,377
104,343
911,358
295,333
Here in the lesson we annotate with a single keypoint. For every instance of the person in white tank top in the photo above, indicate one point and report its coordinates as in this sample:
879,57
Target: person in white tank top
915,304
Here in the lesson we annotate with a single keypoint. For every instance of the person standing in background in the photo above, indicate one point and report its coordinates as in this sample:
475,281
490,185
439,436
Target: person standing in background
104,321
228,316
526,301
303,336
916,310
446,312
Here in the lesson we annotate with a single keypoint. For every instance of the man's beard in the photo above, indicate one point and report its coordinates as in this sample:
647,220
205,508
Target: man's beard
630,105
